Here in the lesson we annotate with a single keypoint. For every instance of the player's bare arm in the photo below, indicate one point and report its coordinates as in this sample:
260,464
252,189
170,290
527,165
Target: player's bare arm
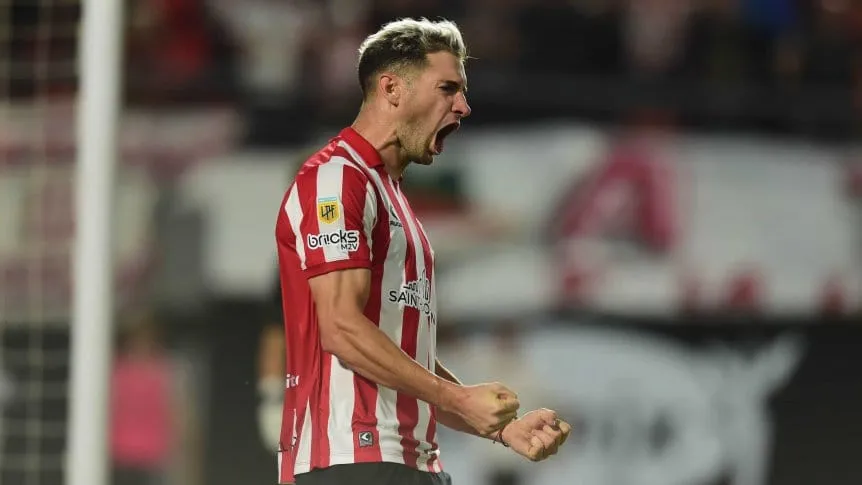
271,353
536,436
451,420
345,332
270,384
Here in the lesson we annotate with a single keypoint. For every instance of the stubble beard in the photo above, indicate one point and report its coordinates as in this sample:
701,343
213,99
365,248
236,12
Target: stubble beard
414,145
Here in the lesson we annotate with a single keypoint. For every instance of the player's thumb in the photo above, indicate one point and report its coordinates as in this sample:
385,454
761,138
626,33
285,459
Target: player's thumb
503,392
508,403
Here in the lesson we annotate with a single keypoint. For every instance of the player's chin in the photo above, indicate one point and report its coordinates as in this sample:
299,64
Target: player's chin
426,159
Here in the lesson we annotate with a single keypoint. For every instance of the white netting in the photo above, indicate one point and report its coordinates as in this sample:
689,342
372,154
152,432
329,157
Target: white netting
37,69
38,83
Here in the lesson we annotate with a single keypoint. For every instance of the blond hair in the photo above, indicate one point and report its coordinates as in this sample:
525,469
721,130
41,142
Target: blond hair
405,44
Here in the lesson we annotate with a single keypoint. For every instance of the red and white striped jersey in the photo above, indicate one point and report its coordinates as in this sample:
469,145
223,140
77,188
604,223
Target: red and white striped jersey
344,211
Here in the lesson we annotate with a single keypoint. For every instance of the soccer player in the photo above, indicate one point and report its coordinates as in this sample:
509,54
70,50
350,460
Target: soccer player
364,389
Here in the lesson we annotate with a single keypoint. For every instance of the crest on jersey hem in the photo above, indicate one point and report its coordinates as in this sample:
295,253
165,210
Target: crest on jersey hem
366,439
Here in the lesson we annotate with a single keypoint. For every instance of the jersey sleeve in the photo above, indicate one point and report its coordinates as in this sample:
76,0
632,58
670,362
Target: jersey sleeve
332,211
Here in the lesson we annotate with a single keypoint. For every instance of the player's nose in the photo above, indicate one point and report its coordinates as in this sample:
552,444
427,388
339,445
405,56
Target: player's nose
461,108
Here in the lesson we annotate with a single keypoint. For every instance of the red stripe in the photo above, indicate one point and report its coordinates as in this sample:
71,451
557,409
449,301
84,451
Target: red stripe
320,395
430,434
307,193
285,472
308,393
297,400
407,407
288,414
320,415
340,151
320,157
366,391
304,355
431,431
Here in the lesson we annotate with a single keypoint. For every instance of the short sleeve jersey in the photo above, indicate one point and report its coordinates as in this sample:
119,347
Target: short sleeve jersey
344,211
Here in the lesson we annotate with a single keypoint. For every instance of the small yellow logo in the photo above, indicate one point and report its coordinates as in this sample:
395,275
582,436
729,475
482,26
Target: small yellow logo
327,210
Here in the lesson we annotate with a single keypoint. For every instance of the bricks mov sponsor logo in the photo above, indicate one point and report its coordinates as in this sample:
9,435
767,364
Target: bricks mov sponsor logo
346,241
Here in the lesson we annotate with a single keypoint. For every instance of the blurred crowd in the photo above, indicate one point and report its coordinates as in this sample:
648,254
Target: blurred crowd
289,64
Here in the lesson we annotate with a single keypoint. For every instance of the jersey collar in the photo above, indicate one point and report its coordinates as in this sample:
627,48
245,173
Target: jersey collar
368,153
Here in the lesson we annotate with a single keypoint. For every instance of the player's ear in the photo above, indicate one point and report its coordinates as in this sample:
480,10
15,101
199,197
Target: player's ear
391,87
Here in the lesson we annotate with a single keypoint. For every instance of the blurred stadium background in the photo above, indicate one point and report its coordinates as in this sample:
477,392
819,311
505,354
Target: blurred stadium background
651,223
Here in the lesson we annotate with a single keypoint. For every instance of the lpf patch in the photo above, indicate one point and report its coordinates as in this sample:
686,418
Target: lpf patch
366,438
327,210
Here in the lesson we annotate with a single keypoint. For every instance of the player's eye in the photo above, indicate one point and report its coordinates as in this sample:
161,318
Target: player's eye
449,88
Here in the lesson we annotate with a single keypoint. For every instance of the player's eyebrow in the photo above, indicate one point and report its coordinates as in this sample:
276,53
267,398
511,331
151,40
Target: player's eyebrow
456,84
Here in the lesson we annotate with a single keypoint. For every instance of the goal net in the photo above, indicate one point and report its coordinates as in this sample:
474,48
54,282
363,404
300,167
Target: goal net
37,79
38,88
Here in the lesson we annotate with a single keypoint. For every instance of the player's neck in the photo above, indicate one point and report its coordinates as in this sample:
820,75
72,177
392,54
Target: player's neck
382,136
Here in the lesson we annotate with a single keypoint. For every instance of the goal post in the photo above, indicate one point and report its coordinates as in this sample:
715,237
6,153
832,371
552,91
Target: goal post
92,318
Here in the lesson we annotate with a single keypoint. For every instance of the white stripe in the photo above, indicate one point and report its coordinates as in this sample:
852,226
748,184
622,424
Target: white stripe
391,323
422,338
341,401
432,348
280,460
437,467
330,184
357,158
391,320
293,210
426,344
303,454
369,217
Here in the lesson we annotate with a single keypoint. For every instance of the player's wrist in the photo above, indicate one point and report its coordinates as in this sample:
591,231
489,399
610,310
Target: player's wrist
501,436
450,395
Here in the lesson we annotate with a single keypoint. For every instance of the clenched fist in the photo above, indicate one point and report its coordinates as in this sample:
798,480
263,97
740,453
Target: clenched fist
487,407
537,435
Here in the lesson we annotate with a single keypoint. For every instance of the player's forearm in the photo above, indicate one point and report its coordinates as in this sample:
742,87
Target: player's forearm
451,420
368,351
445,373
270,379
271,353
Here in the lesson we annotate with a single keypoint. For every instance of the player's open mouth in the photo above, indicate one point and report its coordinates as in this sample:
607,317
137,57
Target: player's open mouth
442,134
